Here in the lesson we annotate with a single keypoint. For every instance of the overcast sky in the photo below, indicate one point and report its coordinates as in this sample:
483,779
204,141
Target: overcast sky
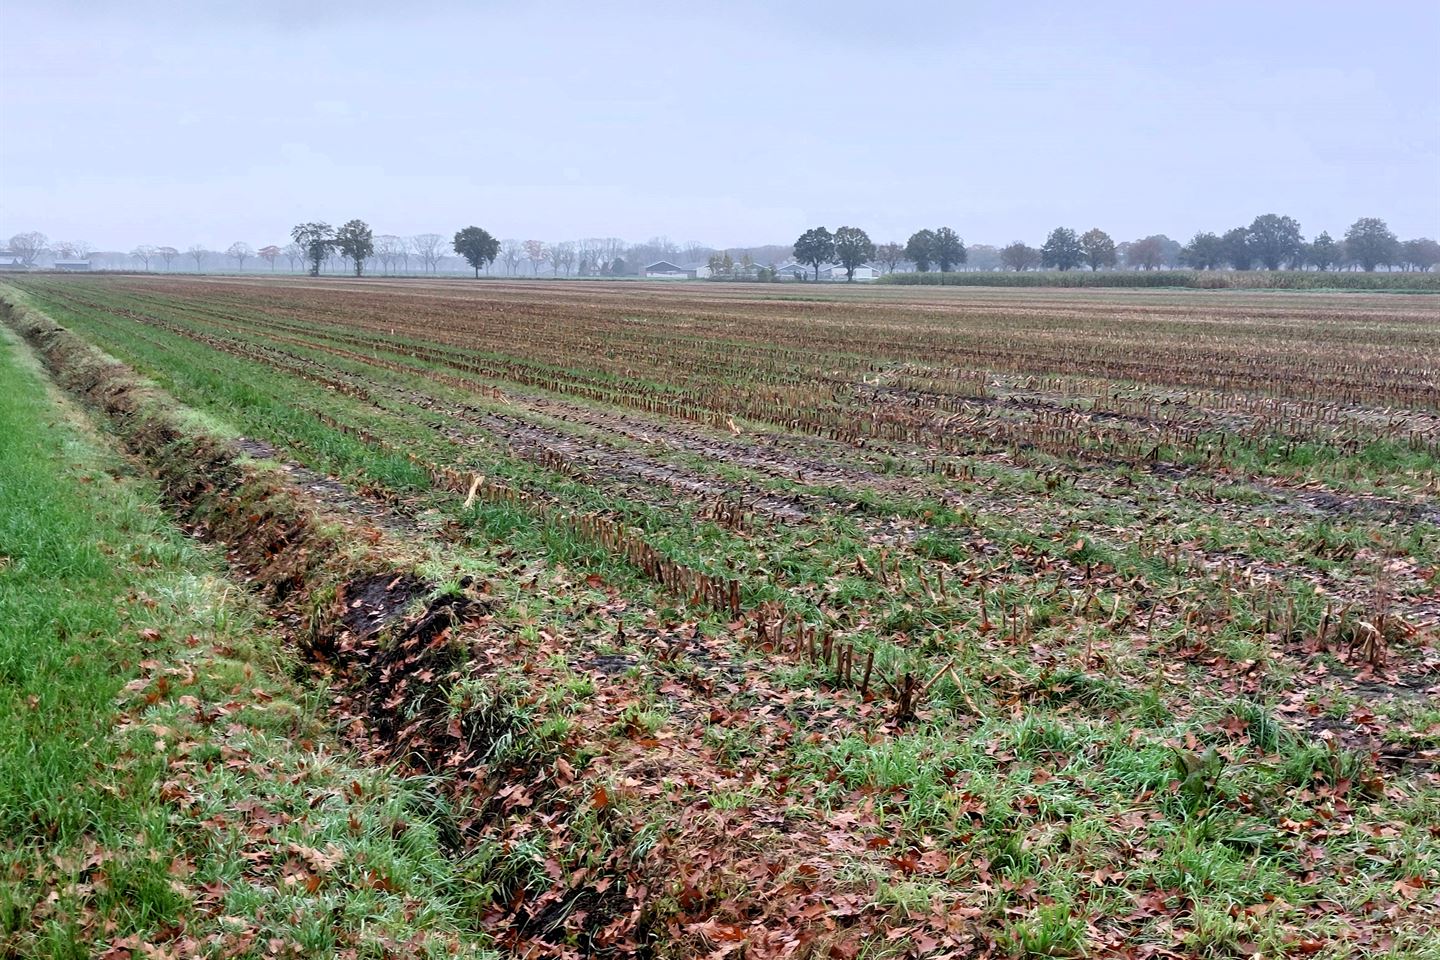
739,123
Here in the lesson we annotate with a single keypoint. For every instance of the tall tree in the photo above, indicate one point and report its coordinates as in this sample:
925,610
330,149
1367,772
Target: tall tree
510,255
1370,243
72,250
949,249
1019,256
1323,253
199,254
1099,249
144,253
1238,251
853,249
563,256
1422,254
477,247
1205,251
1152,252
388,249
29,246
537,252
889,254
921,249
167,256
240,251
317,239
356,242
1062,250
269,254
815,247
1275,240
427,248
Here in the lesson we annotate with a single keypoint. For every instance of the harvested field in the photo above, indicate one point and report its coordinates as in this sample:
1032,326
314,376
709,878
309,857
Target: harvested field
879,622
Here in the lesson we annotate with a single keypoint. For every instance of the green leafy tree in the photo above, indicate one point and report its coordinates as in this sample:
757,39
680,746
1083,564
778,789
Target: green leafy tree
815,247
1238,252
1275,240
316,239
1062,250
477,247
1099,249
356,242
949,249
1020,256
853,249
1370,243
1323,253
1152,252
921,249
1205,251
1422,254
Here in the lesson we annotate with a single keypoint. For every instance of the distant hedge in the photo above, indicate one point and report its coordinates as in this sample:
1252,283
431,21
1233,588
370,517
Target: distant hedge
1190,279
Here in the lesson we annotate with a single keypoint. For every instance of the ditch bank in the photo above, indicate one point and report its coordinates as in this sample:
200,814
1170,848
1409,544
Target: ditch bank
389,642
349,607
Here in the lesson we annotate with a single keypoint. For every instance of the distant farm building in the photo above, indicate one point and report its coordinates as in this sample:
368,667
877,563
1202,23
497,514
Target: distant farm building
9,260
831,272
665,270
72,266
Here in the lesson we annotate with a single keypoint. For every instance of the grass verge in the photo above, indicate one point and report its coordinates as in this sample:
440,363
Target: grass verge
162,784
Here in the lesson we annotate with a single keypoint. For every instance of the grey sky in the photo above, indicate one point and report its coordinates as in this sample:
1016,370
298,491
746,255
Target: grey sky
738,123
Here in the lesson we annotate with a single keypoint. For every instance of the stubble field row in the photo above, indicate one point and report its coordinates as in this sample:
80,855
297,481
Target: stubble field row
893,620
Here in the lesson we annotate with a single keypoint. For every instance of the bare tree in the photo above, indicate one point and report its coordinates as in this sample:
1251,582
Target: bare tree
144,253
611,249
890,254
537,253
240,251
295,254
387,250
693,251
199,254
588,257
29,246
270,254
563,256
430,247
168,255
72,250
510,255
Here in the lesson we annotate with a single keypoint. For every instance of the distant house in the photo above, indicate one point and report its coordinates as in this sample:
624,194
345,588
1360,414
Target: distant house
9,260
72,266
700,271
665,270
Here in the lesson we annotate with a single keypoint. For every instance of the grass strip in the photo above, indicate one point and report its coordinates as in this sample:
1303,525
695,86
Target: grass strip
162,782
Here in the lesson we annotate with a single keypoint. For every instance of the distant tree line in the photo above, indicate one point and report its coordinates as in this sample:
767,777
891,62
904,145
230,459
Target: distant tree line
1269,242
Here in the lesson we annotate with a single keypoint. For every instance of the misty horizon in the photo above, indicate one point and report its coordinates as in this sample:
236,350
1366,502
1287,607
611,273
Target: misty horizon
162,125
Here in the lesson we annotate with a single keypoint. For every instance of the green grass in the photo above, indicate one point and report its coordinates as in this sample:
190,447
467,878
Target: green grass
160,779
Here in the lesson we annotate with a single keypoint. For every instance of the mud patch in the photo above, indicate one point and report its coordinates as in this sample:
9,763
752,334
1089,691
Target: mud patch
370,604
